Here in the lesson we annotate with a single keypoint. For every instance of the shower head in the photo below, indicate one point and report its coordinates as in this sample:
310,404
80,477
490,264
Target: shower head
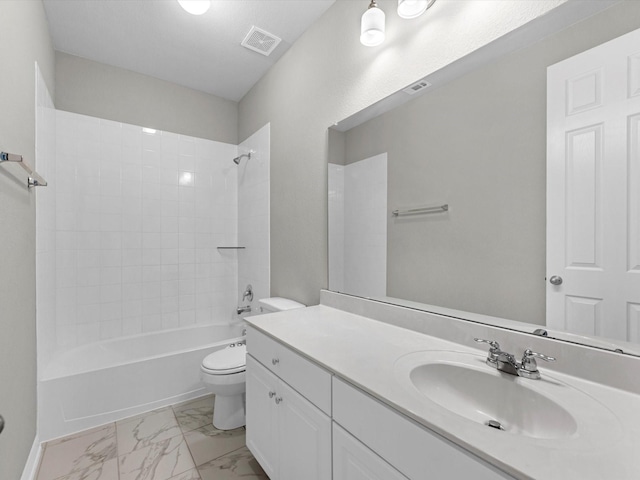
237,159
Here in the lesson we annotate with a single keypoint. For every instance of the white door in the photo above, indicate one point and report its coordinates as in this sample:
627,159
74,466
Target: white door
305,437
262,426
593,191
352,460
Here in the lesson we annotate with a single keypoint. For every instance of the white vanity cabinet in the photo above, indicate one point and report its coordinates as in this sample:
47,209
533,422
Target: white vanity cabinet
289,435
352,460
415,451
304,423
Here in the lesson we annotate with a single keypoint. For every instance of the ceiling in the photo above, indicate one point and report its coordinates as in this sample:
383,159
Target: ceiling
158,38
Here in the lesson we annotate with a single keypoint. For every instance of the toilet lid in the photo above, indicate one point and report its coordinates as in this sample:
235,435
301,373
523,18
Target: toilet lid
229,358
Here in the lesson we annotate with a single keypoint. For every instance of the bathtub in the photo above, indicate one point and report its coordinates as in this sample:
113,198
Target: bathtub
106,381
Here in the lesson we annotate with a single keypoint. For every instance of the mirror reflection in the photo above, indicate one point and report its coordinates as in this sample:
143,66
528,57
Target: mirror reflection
477,144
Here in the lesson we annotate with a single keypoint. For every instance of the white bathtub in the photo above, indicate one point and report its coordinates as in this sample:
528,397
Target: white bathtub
110,380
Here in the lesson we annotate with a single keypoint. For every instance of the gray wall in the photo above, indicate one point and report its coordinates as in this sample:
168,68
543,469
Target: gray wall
328,75
99,90
25,39
336,149
479,144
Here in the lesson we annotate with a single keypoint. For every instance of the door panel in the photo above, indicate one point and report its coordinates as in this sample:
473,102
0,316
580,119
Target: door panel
305,438
593,190
262,424
352,460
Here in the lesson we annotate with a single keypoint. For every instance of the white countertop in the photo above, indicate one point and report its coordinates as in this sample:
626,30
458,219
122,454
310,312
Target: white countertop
364,352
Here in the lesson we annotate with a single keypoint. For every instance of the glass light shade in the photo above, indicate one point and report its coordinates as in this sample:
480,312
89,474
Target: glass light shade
195,7
372,27
413,8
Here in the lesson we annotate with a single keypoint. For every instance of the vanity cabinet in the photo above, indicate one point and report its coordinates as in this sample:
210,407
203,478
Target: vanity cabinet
289,435
352,460
299,416
415,451
307,378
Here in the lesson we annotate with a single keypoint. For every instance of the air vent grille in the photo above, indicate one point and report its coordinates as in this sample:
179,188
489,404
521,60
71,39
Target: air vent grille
260,41
416,87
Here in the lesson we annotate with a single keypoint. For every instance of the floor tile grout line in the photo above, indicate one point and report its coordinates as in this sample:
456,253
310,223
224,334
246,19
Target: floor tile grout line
156,441
184,439
193,460
224,455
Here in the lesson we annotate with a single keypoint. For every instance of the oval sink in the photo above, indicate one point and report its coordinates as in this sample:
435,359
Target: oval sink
483,397
461,384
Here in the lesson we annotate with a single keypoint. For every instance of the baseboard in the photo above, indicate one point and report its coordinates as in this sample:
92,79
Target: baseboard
31,467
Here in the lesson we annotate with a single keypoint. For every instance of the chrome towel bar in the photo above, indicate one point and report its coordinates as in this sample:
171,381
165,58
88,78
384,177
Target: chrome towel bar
35,180
421,211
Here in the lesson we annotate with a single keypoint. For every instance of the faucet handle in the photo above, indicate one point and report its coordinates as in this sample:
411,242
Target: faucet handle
494,351
492,343
529,366
530,356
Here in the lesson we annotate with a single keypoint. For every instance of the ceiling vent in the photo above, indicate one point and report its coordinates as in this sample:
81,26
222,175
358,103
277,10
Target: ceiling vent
260,41
416,87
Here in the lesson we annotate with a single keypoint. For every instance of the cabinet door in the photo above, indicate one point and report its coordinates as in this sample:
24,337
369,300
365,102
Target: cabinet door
414,450
305,437
262,426
352,460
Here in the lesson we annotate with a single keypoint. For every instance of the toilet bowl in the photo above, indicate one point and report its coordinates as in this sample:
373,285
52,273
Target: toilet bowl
223,373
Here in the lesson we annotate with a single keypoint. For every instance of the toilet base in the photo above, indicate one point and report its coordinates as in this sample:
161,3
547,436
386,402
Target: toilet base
229,411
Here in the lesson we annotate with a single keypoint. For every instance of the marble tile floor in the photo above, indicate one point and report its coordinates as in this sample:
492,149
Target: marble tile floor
172,443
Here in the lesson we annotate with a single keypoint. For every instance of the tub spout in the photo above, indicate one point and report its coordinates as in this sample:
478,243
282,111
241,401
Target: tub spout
241,310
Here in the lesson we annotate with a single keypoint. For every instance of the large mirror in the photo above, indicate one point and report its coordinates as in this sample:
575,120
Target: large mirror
470,146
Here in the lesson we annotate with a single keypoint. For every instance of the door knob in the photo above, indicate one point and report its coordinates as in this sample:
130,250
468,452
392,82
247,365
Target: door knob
1,423
555,280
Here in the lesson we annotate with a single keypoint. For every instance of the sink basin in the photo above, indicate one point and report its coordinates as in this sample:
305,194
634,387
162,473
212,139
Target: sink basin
461,384
484,397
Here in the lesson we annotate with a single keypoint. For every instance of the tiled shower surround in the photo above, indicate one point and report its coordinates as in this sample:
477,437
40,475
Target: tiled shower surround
358,227
139,216
253,216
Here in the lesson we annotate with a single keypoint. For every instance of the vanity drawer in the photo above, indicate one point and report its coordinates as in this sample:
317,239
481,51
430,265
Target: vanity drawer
310,380
412,449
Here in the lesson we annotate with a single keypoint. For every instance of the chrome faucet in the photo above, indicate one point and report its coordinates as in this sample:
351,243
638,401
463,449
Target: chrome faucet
245,309
248,294
506,362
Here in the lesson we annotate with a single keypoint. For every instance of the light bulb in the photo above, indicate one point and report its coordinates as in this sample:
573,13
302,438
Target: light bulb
413,8
372,26
195,7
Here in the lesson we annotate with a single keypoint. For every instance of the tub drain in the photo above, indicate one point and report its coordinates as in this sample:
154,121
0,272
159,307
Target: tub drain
494,424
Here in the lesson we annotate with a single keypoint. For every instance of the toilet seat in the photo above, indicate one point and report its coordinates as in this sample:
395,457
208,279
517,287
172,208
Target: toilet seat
229,360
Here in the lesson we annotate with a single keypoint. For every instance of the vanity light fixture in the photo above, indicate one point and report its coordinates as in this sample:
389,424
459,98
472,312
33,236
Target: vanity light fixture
195,7
372,26
413,8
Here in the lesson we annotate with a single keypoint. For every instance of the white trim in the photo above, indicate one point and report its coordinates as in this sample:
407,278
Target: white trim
33,461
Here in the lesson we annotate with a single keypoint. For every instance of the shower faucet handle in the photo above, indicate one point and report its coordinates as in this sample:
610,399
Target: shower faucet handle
248,293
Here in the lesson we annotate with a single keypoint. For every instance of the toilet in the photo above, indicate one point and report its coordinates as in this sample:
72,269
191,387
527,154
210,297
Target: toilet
223,372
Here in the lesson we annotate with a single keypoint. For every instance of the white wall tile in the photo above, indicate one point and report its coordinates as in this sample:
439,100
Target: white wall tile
134,217
358,226
252,203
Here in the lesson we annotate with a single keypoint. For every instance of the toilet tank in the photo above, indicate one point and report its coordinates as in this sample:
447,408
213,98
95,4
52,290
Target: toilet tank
278,304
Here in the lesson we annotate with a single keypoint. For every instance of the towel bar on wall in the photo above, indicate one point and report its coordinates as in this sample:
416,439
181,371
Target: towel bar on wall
421,211
35,180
